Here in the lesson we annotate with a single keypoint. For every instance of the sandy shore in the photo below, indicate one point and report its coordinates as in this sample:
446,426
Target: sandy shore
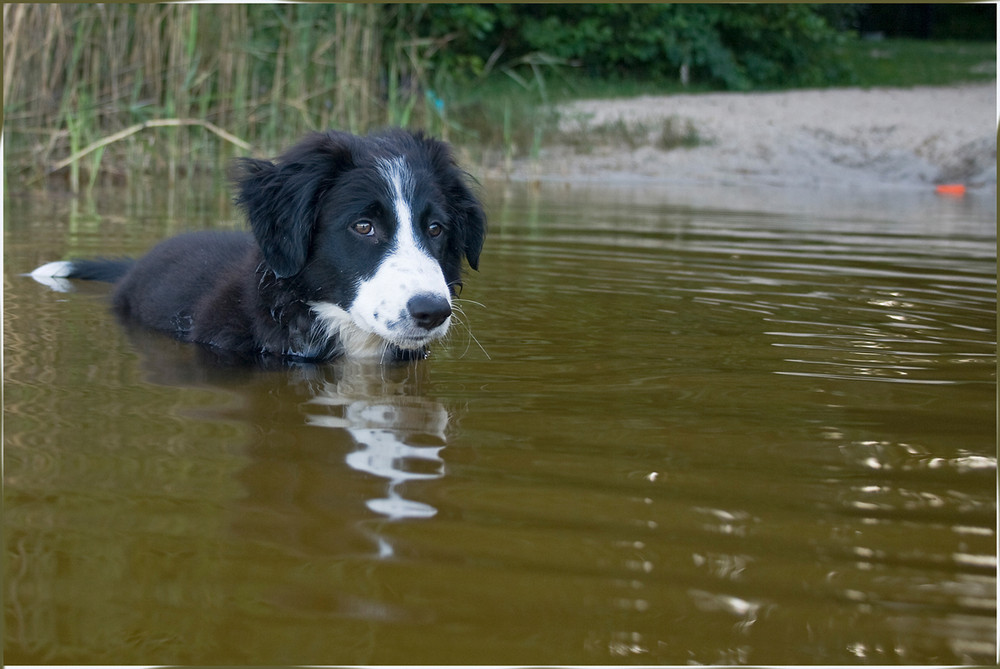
812,138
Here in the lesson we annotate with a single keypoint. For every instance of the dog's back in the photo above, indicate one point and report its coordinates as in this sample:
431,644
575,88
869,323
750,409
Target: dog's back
167,291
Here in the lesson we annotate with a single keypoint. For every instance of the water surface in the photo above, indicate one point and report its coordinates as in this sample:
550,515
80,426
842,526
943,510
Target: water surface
673,426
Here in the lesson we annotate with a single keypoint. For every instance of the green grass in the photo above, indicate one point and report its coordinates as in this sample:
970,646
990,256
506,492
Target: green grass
907,62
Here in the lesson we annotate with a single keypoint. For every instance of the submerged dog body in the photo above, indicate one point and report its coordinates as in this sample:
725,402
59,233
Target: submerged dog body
356,249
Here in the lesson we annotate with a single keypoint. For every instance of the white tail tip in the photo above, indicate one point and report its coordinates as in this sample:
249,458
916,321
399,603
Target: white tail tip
54,275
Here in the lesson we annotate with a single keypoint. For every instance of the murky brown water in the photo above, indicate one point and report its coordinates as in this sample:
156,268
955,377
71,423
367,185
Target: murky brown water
679,426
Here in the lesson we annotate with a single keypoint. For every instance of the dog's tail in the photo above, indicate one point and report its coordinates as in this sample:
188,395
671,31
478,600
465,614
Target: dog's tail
55,274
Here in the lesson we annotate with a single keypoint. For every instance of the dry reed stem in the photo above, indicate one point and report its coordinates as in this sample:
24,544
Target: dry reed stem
154,123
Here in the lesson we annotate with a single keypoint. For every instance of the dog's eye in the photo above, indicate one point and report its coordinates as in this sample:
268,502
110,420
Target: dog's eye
364,228
434,229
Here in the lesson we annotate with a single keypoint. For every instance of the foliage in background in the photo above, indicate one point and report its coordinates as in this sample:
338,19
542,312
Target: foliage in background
723,46
81,79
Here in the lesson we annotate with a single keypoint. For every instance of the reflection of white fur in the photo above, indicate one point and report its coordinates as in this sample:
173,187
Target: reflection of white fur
54,275
382,427
384,455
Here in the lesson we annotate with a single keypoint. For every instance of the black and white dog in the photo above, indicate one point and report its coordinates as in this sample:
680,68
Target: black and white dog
356,249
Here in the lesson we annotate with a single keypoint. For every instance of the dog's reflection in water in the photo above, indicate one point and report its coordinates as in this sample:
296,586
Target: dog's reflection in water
306,422
399,438
399,434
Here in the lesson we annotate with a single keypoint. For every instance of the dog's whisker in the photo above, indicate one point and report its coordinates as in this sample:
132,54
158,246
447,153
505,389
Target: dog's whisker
481,347
457,316
465,301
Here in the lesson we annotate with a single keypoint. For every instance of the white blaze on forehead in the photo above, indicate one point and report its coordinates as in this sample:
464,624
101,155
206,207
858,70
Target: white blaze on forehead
400,182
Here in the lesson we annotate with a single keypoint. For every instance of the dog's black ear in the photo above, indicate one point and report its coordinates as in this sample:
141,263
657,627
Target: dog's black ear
473,229
465,208
281,198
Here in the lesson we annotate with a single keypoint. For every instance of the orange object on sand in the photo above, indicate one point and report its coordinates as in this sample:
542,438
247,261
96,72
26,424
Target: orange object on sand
957,190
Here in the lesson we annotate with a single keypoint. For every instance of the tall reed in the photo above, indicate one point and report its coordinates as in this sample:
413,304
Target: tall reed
77,74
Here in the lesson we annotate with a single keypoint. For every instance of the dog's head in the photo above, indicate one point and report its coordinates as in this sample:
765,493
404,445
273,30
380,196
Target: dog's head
371,231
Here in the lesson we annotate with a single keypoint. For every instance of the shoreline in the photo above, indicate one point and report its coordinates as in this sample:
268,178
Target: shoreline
851,137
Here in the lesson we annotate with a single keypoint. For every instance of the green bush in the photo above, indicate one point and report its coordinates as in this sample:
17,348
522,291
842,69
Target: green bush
735,47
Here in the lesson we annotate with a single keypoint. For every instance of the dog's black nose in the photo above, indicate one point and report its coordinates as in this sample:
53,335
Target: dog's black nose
429,311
